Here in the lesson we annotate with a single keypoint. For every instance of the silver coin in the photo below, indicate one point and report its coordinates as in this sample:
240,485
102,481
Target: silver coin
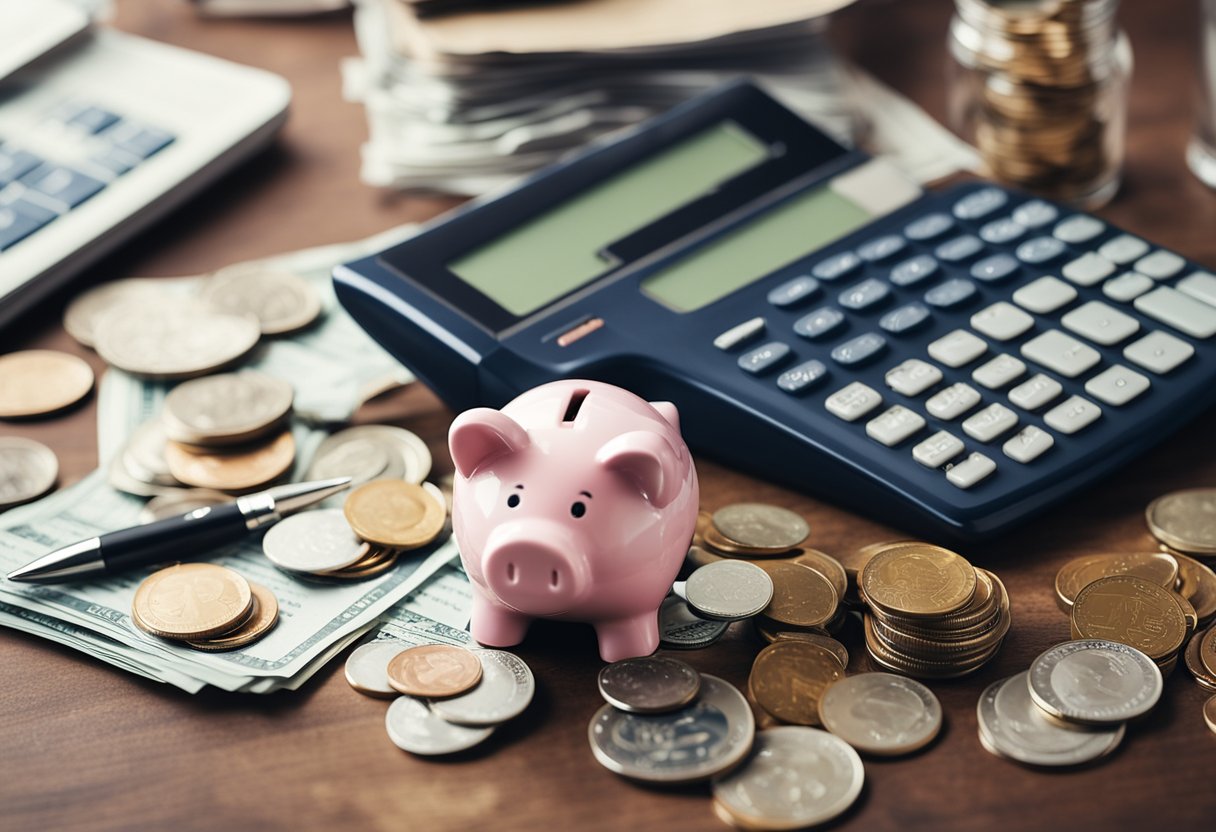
649,684
729,590
169,337
694,743
1095,681
761,525
143,456
226,409
372,452
796,777
281,301
28,469
414,727
367,668
180,501
681,629
1012,725
86,309
313,541
881,713
505,690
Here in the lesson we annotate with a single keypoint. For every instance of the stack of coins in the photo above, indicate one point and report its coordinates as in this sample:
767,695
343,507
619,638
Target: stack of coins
1135,612
751,530
204,606
931,614
1185,522
1200,657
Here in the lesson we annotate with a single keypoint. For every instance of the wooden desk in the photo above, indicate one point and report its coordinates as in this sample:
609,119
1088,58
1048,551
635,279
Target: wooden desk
83,745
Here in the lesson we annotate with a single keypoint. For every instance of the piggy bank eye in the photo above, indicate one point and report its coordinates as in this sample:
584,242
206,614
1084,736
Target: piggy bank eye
578,509
513,501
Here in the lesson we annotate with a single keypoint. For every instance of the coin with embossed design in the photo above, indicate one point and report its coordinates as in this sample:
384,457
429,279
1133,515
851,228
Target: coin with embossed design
881,713
681,629
226,409
281,301
649,684
761,526
261,621
191,601
1185,520
789,677
1197,583
313,541
1095,682
802,597
918,580
505,690
434,671
1132,611
1157,567
729,590
827,566
28,469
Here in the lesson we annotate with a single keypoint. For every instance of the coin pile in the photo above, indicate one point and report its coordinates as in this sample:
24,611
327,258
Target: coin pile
28,469
1072,706
204,606
1136,612
1200,657
930,613
445,698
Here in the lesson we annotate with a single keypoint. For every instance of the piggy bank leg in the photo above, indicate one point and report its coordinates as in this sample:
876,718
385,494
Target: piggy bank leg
625,638
495,625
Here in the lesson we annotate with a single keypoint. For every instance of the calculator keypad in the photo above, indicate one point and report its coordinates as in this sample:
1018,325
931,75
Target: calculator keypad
1047,294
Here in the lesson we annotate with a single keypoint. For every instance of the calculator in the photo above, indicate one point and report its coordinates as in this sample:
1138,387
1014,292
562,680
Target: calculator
949,362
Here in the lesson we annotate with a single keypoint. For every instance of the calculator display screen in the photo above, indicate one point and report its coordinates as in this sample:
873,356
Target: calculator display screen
563,248
745,254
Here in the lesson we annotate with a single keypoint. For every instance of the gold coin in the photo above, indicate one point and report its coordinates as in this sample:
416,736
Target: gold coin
918,580
1198,585
788,677
234,471
1194,662
38,382
1131,611
828,567
1157,567
802,597
827,642
261,621
715,541
761,527
434,671
1209,713
1185,520
1207,649
191,601
394,513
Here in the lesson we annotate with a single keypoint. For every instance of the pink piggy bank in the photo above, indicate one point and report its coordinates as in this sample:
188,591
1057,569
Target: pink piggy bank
576,501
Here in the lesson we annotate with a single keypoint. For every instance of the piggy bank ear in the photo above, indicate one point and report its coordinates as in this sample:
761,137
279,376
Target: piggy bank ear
668,411
647,460
481,435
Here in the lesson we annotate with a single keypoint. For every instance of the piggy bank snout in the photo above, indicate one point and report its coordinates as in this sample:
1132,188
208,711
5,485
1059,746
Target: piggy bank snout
537,570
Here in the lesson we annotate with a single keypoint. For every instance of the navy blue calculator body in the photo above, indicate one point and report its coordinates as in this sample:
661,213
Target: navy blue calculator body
950,362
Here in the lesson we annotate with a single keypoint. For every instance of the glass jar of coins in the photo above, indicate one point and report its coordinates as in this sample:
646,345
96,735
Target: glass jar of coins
1040,87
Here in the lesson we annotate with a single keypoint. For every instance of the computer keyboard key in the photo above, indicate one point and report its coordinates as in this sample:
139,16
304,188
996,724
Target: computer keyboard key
928,227
864,295
1160,264
803,377
1100,323
894,425
994,268
971,470
16,163
881,248
954,292
1127,286
1028,444
1088,269
1072,415
1123,249
859,350
1199,285
1158,351
1002,231
764,358
836,266
92,119
959,248
953,401
1047,294
1058,351
19,220
1035,392
1039,250
938,449
980,203
1182,312
1080,228
989,423
998,372
904,319
740,334
65,187
913,270
821,322
954,349
1116,385
853,401
912,377
1002,321
1035,213
137,139
794,292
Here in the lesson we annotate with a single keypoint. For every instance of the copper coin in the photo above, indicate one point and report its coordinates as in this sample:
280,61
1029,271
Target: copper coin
788,677
236,471
1197,585
802,597
434,671
828,567
191,601
1131,611
761,527
918,580
394,513
1160,568
38,382
262,620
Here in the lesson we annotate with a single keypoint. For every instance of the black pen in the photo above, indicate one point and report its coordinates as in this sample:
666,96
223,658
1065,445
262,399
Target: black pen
178,537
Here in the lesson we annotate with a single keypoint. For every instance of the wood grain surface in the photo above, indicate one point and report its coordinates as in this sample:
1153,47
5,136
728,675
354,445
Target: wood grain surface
86,746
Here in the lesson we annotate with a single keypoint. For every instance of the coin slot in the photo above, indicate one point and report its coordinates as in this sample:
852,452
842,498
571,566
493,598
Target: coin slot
576,402
511,572
553,581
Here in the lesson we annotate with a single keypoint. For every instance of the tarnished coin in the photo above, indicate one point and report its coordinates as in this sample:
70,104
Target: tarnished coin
761,526
918,580
394,513
434,671
1185,520
796,777
1204,677
86,309
681,629
369,452
789,677
649,684
238,470
180,501
1197,584
1156,567
707,737
281,301
367,668
830,644
414,727
729,590
38,382
506,688
802,597
1209,713
313,541
28,469
226,409
191,601
1132,611
1094,682
828,567
1012,725
261,621
881,713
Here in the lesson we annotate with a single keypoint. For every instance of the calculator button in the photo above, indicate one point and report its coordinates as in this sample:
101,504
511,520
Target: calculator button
853,401
1078,229
953,292
1035,213
864,295
115,161
1088,269
1200,285
739,334
1001,321
998,372
881,248
1039,250
1028,444
1180,311
859,350
836,266
793,292
1072,415
1116,385
904,319
1158,351
762,359
991,422
16,163
1000,231
952,402
894,425
92,119
980,203
912,377
65,187
1123,249
1128,286
958,348
1060,352
1035,392
928,227
913,270
1047,294
1100,323
994,268
971,470
819,323
959,248
1160,264
19,220
938,449
801,378
138,140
